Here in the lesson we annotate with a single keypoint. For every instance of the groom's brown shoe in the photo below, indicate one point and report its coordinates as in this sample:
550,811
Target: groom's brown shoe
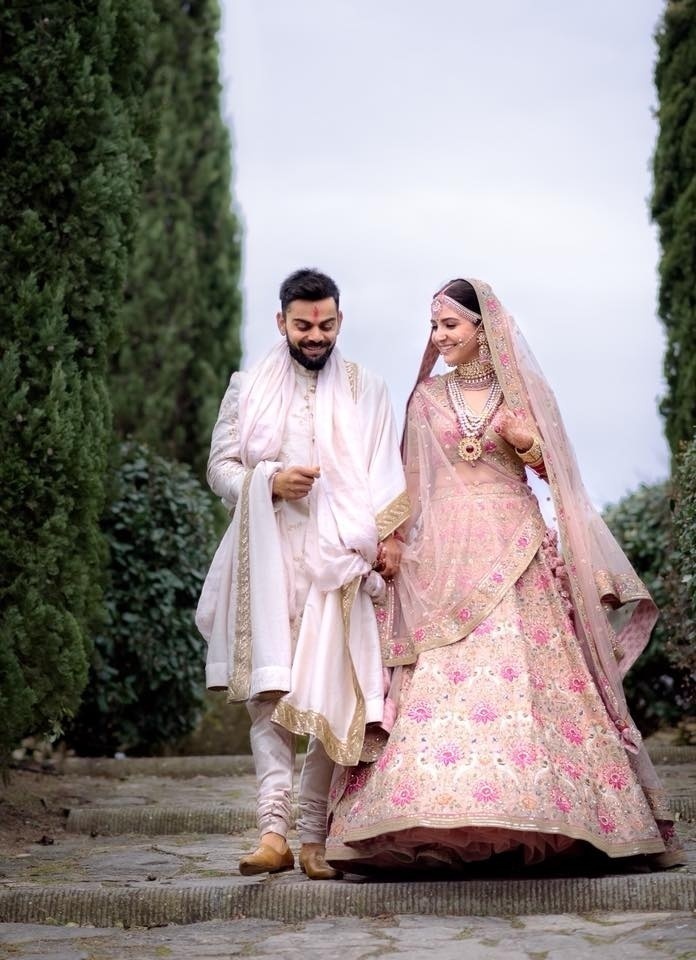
313,863
266,860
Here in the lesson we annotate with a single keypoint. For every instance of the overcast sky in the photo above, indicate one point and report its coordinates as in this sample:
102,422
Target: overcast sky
398,143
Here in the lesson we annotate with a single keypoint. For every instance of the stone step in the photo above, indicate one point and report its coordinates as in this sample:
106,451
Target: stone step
141,905
158,820
232,766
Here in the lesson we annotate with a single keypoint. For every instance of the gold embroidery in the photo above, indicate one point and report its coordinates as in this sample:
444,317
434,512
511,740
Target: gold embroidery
393,515
347,752
352,371
240,656
617,589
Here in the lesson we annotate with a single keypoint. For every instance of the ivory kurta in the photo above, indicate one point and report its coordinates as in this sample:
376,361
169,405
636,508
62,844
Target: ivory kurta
323,657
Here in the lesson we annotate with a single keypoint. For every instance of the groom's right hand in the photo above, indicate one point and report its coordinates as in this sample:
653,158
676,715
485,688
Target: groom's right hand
294,483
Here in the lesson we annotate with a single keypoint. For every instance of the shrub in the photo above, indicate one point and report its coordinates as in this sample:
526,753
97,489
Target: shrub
642,523
146,682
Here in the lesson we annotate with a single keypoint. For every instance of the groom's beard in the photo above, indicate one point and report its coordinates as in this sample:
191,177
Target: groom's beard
309,363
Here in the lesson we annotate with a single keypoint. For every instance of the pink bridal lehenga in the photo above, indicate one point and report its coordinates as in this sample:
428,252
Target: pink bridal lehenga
511,731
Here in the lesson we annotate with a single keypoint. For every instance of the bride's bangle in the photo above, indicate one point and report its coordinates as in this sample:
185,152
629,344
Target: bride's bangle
533,456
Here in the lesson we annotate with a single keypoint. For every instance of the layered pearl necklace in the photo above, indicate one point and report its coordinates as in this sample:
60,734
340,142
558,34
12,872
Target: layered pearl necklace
472,425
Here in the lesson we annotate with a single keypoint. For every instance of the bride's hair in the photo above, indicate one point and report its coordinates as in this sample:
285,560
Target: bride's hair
462,292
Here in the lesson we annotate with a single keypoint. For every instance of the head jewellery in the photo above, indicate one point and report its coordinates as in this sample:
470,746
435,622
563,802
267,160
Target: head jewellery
442,300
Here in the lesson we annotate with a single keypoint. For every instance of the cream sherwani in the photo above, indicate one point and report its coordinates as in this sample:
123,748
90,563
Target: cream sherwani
285,607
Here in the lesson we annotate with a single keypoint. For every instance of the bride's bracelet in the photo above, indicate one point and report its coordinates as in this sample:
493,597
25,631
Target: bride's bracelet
533,456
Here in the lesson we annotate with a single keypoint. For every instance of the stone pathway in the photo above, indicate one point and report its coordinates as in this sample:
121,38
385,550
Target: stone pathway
154,847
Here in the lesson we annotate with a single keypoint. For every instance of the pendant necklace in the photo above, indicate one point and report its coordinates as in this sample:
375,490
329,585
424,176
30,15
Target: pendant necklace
472,425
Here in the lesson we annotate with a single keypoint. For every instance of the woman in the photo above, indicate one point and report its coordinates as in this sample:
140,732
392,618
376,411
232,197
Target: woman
512,731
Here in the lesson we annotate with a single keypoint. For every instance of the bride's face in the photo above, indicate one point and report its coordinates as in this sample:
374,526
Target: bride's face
454,337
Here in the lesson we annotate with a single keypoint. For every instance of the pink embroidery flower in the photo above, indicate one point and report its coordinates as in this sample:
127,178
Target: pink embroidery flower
577,684
523,755
380,614
458,675
386,758
357,781
606,824
483,713
397,649
489,446
542,581
403,795
447,754
419,634
570,769
562,802
497,576
464,614
484,628
505,359
571,732
485,792
616,777
541,636
537,681
420,711
510,672
523,542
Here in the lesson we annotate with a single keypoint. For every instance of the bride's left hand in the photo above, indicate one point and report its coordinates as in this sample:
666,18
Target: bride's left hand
514,427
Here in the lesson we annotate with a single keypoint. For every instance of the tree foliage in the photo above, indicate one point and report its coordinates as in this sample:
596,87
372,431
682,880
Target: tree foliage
145,686
71,83
182,311
674,211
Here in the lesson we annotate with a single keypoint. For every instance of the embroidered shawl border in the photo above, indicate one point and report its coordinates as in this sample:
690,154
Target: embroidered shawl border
240,656
393,515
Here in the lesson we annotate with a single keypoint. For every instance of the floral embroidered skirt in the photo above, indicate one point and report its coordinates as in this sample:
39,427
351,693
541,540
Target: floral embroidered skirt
501,742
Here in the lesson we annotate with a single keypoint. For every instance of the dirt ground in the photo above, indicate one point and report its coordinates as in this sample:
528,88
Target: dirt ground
33,809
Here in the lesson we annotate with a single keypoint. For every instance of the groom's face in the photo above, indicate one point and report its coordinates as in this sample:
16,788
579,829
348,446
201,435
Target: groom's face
310,328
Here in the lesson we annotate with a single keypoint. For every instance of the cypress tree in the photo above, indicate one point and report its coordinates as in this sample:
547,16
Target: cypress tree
182,313
71,84
674,211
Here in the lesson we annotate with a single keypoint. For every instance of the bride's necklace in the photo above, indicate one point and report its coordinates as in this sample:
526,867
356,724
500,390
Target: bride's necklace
472,425
475,375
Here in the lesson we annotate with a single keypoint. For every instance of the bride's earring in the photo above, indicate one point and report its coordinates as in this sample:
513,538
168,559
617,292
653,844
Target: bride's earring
484,354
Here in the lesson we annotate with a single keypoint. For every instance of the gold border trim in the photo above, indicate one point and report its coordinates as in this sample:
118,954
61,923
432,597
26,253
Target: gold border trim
240,656
393,515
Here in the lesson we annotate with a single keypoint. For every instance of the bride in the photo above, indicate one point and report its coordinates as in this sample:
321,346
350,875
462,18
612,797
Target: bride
510,730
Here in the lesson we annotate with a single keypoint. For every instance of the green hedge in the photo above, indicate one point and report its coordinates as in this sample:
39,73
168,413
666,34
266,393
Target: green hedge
643,524
147,683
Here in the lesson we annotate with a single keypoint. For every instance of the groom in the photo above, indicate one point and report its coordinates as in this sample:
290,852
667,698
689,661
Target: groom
306,453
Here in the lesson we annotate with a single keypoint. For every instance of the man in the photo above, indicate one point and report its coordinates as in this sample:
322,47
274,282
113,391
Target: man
305,450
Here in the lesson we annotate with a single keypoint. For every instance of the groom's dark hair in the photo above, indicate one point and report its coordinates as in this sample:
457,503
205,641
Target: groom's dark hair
307,284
